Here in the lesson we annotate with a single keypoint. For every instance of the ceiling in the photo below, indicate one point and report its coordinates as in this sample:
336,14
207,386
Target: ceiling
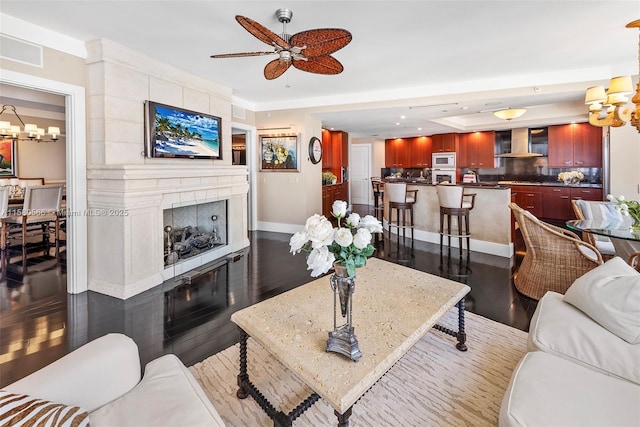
412,68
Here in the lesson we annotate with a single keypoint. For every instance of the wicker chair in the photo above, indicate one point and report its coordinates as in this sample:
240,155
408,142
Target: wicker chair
555,256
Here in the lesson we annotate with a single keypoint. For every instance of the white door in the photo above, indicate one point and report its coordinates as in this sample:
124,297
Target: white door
360,174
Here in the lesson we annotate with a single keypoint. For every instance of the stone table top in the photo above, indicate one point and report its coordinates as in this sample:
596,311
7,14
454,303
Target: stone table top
393,307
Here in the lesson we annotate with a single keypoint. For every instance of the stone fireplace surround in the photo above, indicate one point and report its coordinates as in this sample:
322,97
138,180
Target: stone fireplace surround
125,220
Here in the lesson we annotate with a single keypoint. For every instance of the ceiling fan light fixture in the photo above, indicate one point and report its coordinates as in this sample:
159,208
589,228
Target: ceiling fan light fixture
510,114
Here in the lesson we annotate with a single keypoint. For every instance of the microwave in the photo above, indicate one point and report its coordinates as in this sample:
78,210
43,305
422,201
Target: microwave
443,160
443,175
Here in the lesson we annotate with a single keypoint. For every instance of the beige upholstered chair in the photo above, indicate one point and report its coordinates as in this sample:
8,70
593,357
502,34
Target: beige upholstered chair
596,210
401,203
4,207
40,209
454,203
555,257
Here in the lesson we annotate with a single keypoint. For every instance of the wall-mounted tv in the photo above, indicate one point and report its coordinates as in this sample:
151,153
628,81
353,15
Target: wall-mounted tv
178,133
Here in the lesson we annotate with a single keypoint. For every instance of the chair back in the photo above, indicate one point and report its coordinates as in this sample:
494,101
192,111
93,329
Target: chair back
396,192
4,201
554,258
42,199
377,185
450,196
30,182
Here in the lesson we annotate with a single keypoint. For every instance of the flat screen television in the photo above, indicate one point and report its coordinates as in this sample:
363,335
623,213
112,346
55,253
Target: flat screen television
178,133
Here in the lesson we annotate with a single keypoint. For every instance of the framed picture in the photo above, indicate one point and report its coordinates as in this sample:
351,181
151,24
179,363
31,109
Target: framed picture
178,133
7,157
280,153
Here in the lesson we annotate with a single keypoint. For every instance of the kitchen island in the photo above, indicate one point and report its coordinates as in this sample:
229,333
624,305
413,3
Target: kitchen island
489,221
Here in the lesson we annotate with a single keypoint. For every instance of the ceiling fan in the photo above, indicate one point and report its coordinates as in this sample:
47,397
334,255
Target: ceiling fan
307,51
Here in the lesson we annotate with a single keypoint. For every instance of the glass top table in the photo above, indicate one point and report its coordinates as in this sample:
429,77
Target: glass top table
608,228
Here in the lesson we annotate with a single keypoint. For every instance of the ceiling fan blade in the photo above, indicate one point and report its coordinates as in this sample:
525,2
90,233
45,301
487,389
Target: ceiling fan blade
319,65
236,55
262,32
276,68
322,41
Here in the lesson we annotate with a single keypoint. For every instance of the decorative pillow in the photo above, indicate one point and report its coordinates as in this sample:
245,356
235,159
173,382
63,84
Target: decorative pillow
610,295
23,410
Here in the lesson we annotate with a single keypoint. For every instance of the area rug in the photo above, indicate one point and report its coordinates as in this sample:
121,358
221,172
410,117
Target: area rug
432,385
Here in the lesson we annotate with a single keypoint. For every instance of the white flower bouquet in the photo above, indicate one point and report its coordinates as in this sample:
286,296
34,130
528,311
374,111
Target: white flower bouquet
572,177
348,245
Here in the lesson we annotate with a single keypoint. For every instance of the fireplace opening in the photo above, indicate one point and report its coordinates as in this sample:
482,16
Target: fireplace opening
193,230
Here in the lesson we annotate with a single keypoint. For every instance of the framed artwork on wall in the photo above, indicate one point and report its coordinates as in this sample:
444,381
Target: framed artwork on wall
280,153
7,157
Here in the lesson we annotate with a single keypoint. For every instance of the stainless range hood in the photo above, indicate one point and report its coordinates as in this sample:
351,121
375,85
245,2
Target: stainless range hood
520,145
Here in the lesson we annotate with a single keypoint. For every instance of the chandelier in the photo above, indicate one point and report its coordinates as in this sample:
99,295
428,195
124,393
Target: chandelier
615,99
510,114
29,131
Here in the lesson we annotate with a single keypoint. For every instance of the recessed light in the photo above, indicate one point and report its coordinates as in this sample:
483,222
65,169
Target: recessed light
397,124
464,108
419,128
403,117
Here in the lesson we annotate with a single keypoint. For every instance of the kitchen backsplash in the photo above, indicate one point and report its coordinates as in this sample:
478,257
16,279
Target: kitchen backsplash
532,169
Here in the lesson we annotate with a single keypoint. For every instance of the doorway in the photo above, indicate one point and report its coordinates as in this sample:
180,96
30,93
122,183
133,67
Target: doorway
243,143
360,170
76,171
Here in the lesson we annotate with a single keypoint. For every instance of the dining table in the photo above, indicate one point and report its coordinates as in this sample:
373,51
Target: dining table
619,229
625,240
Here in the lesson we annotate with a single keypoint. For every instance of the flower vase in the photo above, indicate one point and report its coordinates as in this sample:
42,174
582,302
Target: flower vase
344,289
342,339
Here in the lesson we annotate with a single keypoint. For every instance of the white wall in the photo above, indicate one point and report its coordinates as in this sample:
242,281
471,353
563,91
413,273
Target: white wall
625,162
287,199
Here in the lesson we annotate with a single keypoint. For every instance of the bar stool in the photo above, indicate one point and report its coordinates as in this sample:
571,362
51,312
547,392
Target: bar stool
454,203
401,202
378,197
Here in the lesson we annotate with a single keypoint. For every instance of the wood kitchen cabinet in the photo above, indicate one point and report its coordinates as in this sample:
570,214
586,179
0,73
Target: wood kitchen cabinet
528,197
576,145
444,142
331,193
420,152
578,193
556,203
477,150
396,153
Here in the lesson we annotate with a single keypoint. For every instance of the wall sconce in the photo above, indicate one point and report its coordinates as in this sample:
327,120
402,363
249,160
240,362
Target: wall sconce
615,99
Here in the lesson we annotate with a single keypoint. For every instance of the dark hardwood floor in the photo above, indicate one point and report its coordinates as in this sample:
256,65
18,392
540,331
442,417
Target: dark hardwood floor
40,322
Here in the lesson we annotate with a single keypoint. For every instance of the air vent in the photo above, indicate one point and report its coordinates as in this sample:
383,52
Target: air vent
238,112
21,51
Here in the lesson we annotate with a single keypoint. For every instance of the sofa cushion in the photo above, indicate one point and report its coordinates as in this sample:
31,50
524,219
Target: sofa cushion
167,395
20,409
561,329
610,295
546,390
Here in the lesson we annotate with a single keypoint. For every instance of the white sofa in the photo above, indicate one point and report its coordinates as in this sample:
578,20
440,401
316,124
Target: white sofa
577,372
103,378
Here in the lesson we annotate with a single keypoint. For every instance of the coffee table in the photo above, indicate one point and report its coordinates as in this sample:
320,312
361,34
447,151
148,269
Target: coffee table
393,308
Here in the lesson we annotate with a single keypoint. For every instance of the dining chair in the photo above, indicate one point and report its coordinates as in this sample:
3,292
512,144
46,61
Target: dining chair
40,209
598,211
555,257
4,208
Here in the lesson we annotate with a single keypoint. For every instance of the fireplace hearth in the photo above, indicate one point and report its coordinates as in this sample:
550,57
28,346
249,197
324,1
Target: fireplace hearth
193,230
